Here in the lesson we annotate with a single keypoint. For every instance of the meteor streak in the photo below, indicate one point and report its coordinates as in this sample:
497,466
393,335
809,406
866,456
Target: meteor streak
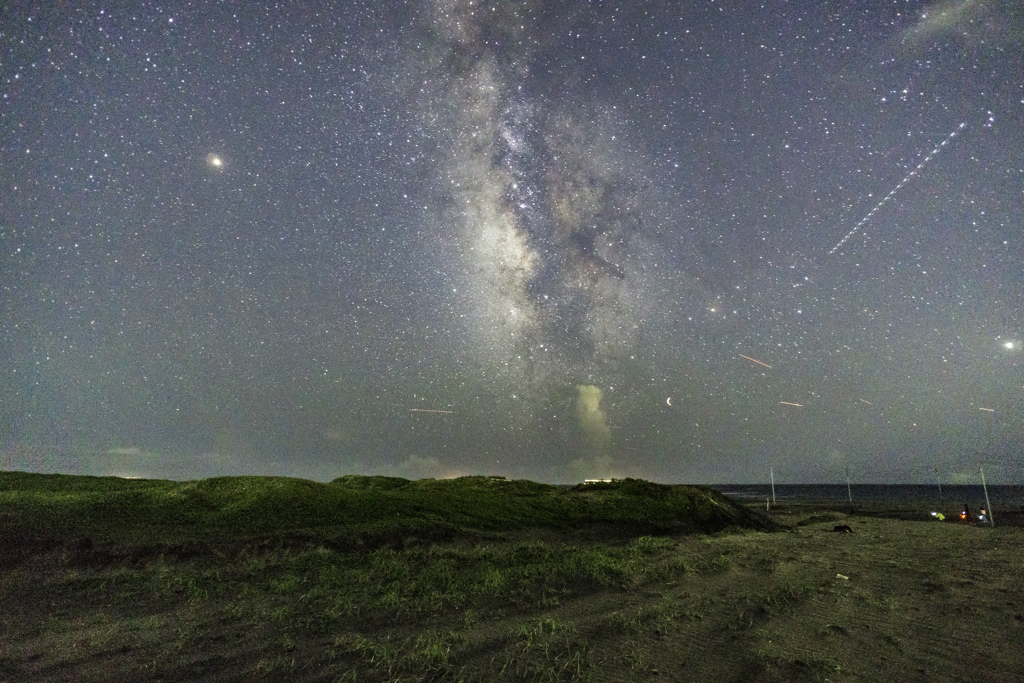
988,410
427,410
786,403
863,401
756,361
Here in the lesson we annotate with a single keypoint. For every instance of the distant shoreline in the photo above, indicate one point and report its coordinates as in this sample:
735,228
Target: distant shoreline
1006,515
1006,495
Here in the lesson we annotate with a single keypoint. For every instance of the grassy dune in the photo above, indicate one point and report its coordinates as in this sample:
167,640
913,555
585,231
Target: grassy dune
381,579
351,509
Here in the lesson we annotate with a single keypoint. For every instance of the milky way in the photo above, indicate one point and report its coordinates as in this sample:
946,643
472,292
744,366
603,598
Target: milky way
548,208
461,237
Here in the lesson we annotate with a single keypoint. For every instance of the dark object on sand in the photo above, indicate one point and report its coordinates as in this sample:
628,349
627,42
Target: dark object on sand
842,529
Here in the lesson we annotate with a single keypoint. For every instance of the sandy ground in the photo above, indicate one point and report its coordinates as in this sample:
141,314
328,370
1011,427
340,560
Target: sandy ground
895,600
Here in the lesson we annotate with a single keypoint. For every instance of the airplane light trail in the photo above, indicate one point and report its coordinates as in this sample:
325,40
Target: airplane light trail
756,361
427,410
787,403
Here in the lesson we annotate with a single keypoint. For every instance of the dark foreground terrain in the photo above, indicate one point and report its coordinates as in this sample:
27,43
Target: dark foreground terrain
381,579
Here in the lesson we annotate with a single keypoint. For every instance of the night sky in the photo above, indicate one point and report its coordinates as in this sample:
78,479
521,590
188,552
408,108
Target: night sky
686,242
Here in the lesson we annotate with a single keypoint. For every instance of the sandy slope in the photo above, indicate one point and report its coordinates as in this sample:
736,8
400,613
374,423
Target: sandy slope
894,600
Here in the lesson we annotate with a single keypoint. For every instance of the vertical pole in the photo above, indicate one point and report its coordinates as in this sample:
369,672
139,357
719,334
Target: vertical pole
936,471
771,470
988,505
849,493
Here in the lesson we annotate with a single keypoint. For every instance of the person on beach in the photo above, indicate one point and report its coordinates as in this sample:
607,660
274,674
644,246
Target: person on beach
966,514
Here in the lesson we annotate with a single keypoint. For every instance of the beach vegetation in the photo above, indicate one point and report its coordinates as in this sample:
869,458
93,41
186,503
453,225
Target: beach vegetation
473,579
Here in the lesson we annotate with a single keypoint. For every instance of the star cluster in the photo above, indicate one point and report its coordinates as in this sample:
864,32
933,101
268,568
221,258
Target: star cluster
461,237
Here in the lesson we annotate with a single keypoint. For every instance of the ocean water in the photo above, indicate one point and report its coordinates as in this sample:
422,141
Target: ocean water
926,495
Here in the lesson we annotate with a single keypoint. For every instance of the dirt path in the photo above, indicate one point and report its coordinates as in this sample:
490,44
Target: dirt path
893,600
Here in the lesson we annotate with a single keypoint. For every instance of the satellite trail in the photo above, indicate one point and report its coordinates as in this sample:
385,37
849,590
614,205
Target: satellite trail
896,189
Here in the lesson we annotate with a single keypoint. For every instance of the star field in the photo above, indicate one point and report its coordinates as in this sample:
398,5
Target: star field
455,237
